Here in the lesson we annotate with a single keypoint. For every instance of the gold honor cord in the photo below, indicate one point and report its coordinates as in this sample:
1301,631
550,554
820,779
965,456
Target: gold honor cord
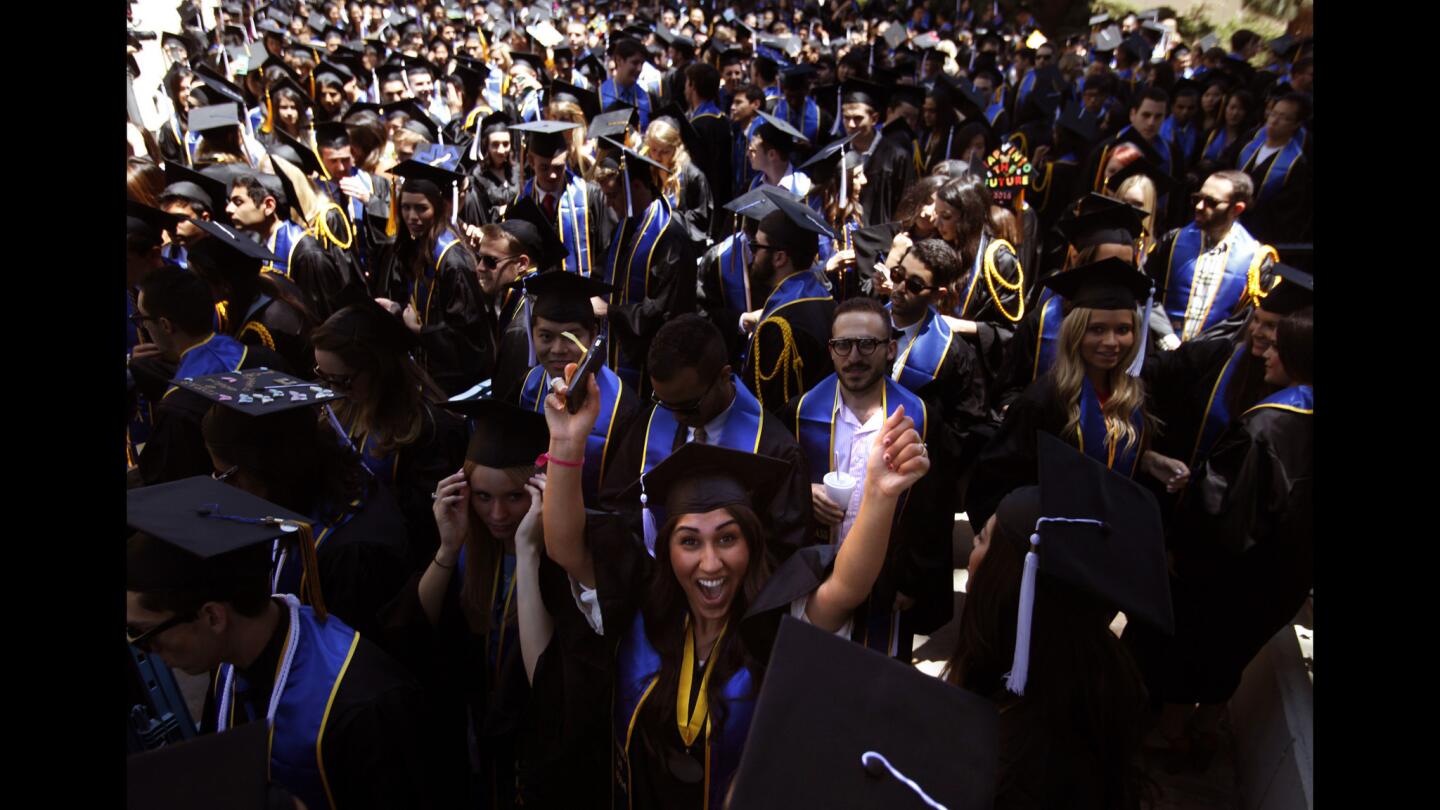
690,720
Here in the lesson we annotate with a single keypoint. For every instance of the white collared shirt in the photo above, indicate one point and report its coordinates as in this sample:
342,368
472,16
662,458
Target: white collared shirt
853,441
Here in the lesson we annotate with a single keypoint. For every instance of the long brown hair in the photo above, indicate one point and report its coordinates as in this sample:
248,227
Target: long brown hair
144,181
483,556
666,609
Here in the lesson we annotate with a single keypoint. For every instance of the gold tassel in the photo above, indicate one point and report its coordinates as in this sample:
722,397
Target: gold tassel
310,572
392,222
268,125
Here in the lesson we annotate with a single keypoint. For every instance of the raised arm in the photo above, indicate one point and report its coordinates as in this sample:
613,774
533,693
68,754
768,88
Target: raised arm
564,510
536,624
896,462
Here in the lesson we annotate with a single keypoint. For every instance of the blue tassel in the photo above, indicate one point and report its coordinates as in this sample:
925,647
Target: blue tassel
1139,362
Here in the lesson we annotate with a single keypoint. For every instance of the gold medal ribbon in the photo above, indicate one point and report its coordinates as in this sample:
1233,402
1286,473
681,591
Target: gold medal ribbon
687,718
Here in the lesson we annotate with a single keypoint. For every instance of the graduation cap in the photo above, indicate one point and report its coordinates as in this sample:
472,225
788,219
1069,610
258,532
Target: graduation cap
505,436
228,247
1094,530
1154,27
224,771
688,134
859,91
912,94
592,63
1007,173
563,297
614,122
220,89
894,35
288,82
1083,126
1284,46
1293,289
186,183
587,100
434,166
170,40
416,64
1107,284
526,222
1207,42
1149,14
258,392
797,78
546,138
1107,39
698,478
1102,221
612,154
297,152
1138,47
421,122
871,244
909,736
1143,165
754,204
213,117
534,60
142,220
827,159
340,73
545,34
1099,19
778,133
800,215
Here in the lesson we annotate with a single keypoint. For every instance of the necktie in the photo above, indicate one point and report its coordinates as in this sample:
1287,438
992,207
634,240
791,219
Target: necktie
680,433
549,206
701,437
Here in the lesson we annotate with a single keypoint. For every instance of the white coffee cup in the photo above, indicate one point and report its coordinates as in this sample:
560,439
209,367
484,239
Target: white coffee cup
839,486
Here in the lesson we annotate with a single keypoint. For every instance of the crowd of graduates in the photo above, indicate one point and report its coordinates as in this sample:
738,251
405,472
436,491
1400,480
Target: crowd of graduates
510,384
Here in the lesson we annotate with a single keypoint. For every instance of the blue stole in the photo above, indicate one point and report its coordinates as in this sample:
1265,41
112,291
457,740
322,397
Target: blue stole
213,355
288,570
798,287
829,247
530,107
773,91
1217,412
707,109
257,117
597,444
323,652
631,278
422,290
636,97
1092,436
790,182
1280,166
809,118
1296,399
1215,143
282,243
175,253
992,113
192,142
742,430
1026,85
920,364
637,671
494,91
734,281
744,174
574,221
1180,273
382,466
1047,333
1187,137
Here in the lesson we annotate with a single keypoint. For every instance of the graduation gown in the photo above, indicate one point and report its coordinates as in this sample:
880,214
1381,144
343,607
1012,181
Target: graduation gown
314,270
513,358
724,292
618,407
716,162
368,221
788,352
492,192
944,370
634,96
345,727
889,171
653,435
1244,555
694,205
272,314
1055,190
1171,267
1284,207
651,263
1161,152
583,221
456,346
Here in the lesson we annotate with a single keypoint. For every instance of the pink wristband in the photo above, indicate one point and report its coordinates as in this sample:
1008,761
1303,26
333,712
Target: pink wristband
545,458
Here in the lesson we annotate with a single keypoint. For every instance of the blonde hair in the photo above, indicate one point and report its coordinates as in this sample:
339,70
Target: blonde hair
1147,190
571,112
668,134
1126,393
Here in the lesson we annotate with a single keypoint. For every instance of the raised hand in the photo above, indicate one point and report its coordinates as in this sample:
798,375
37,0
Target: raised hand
565,427
452,516
899,459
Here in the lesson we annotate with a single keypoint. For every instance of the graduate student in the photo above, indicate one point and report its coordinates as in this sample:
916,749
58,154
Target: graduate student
680,723
889,168
199,595
836,424
575,206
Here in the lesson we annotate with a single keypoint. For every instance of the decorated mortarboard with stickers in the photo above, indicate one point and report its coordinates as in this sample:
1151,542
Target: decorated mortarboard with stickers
1007,173
258,392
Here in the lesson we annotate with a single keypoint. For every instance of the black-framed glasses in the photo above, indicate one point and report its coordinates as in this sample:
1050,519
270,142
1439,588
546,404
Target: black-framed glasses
225,476
335,380
142,640
866,345
685,407
492,262
754,246
1207,201
912,283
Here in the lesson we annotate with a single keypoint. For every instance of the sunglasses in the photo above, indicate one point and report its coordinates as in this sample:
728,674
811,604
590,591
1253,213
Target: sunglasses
912,283
492,262
693,406
1208,202
142,640
843,346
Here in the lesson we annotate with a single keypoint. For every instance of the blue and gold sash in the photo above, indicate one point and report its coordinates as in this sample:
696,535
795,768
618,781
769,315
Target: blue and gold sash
422,290
638,670
213,355
283,243
1215,144
925,356
597,444
739,153
795,289
1217,412
636,97
288,569
1295,399
741,432
322,655
707,109
1280,167
573,214
734,281
809,119
1241,262
630,276
1047,334
1026,85
1093,438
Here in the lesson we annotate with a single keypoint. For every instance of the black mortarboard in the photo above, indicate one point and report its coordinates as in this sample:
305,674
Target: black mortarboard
1107,39
1107,284
297,152
215,116
258,392
168,39
823,164
754,204
183,181
546,138
1294,289
288,82
564,297
609,149
435,165
505,435
593,63
911,94
526,222
699,478
331,135
1083,126
1107,221
801,215
141,219
588,100
341,73
218,88
229,246
797,78
315,22
534,60
614,122
1143,165
1183,85
778,133
420,121
941,741
1138,47
1284,45
494,122
859,91
224,771
871,244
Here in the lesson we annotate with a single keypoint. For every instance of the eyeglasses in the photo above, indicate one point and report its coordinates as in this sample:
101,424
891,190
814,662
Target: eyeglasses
139,318
754,246
142,640
692,406
1208,202
335,380
843,346
492,262
225,475
912,283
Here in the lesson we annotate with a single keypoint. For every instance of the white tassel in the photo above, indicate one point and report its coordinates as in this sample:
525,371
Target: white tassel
948,139
529,339
629,206
374,93
1139,362
844,177
454,203
475,145
1020,665
839,124
870,759
647,519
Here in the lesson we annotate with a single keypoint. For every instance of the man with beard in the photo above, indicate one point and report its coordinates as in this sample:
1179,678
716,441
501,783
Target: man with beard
836,424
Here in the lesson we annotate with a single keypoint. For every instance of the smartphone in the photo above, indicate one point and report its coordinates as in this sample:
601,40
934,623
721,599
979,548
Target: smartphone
575,398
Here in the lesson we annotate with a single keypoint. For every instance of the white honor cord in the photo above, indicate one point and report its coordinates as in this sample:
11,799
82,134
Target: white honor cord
227,691
871,756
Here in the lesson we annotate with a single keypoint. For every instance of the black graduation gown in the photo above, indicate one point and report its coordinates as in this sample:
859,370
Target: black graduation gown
789,516
1040,769
810,327
1091,173
322,276
889,171
1244,557
365,561
371,240
176,447
957,397
492,192
371,759
274,315
1009,460
1288,216
438,452
715,164
455,342
671,293
696,204
1054,192
711,303
512,339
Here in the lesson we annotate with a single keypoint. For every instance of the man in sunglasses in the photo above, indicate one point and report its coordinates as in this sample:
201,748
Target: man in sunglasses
1206,274
175,311
836,423
698,398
